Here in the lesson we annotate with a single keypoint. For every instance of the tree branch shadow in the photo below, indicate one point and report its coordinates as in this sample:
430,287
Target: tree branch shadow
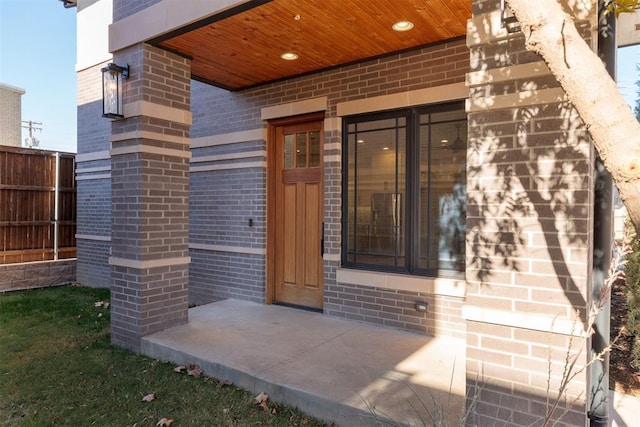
530,172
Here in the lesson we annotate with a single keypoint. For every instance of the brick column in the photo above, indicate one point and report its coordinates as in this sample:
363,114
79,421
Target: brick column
150,196
530,216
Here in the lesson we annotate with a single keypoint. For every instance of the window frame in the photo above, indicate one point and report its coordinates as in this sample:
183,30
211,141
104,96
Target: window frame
411,214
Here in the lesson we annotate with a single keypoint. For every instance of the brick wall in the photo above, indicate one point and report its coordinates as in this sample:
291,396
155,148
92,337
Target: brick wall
93,266
396,309
529,222
149,197
216,275
217,111
124,8
93,171
219,216
95,204
93,130
222,202
10,115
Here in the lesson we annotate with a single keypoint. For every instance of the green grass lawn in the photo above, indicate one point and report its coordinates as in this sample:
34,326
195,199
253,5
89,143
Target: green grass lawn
57,367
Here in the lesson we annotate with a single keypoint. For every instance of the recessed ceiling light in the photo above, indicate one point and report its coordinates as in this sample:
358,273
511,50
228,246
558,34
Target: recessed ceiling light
402,26
289,56
385,148
361,141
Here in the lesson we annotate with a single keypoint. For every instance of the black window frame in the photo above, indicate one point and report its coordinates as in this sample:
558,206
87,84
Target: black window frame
412,173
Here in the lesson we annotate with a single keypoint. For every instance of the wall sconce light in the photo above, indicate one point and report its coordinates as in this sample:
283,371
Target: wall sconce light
112,76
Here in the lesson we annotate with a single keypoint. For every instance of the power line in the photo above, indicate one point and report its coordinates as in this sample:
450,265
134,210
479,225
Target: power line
31,141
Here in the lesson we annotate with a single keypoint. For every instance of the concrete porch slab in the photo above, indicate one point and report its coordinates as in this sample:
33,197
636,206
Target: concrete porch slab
336,370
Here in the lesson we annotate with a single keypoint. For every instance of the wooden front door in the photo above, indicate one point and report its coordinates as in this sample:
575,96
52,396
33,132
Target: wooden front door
297,232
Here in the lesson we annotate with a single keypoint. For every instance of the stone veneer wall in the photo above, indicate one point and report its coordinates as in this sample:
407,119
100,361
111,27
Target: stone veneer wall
40,274
529,225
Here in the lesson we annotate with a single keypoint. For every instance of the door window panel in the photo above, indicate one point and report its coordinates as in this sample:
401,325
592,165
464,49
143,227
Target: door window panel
301,150
289,150
314,149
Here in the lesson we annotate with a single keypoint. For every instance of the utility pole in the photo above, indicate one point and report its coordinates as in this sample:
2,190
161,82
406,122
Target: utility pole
32,141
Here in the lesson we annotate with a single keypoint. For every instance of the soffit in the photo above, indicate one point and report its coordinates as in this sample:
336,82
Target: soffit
243,50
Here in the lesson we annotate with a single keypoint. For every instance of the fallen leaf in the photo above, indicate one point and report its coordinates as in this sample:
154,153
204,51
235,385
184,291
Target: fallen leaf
264,406
164,422
194,371
262,397
179,368
99,314
149,397
224,383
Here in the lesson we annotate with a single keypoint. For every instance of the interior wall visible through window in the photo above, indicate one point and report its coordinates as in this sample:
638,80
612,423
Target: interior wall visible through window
404,190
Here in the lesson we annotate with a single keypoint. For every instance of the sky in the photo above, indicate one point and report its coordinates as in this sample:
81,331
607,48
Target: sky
628,59
38,54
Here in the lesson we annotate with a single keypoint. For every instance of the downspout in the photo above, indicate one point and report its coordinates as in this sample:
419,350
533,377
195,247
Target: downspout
602,244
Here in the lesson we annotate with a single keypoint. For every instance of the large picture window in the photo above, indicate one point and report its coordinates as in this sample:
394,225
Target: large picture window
404,190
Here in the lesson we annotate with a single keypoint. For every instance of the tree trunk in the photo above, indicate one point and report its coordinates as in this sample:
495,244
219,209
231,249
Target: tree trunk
552,34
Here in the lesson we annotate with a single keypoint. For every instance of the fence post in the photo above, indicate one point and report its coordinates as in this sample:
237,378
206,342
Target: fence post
56,222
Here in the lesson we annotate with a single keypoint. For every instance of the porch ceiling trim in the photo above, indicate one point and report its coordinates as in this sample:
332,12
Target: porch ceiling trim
168,16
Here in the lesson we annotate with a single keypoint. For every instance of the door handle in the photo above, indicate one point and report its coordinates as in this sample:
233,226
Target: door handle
322,241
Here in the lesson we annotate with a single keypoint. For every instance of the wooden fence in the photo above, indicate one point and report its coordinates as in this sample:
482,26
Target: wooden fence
37,205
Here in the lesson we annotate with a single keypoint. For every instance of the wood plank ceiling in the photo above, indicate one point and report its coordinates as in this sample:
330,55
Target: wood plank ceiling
244,49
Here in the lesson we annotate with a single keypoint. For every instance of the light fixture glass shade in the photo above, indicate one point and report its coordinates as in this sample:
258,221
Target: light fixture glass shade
402,26
112,89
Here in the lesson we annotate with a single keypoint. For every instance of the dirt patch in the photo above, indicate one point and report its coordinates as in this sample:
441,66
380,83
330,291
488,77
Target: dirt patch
623,377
